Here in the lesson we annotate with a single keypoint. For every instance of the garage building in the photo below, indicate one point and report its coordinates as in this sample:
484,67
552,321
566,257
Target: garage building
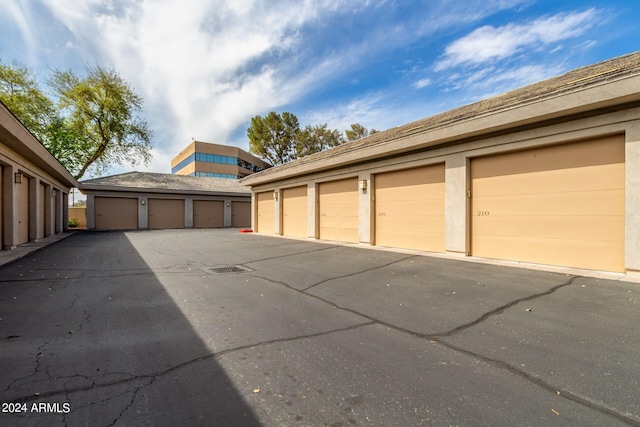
34,186
144,200
546,174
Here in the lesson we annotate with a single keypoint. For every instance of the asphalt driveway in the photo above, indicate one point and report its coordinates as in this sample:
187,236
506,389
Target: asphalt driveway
151,328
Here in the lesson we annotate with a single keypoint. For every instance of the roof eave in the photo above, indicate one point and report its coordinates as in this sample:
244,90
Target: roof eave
85,188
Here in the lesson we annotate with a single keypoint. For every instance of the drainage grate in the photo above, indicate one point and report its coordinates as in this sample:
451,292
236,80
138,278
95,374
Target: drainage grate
230,269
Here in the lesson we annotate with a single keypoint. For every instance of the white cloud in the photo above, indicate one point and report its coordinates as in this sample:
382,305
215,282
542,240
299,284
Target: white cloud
422,83
489,43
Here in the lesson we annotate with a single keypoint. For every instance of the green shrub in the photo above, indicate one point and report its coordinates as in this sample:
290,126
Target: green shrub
73,222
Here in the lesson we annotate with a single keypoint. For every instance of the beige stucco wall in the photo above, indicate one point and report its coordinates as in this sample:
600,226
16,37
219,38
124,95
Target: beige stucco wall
79,213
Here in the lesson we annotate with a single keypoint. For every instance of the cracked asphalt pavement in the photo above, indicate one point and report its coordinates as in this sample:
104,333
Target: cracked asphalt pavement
137,328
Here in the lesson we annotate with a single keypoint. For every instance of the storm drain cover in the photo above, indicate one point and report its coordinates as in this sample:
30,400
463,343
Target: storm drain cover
230,269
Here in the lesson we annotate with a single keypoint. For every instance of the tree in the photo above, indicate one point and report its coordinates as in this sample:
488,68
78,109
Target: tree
92,122
274,136
20,92
358,131
100,120
313,139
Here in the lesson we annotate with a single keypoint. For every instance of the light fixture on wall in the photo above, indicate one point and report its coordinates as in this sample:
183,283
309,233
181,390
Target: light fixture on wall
54,192
18,178
143,202
275,195
362,184
228,204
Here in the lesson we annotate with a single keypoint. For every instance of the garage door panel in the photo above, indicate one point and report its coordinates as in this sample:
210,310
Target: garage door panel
592,178
208,213
410,178
294,211
338,210
598,152
240,214
611,202
23,210
265,212
115,213
572,217
409,208
166,213
605,256
584,229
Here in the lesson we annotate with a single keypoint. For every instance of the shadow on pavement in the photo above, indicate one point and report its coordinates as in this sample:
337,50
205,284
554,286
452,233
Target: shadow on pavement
88,330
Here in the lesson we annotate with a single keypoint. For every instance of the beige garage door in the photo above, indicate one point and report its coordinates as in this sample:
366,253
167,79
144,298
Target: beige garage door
561,205
294,211
241,214
116,213
338,210
42,211
409,208
166,213
23,211
208,213
265,212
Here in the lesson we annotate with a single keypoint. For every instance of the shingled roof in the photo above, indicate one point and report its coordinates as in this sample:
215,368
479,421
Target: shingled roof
573,81
165,183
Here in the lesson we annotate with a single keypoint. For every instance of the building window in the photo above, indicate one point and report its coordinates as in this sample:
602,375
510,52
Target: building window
217,159
213,175
184,163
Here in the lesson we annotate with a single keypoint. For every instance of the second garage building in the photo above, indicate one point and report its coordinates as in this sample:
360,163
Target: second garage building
145,200
546,174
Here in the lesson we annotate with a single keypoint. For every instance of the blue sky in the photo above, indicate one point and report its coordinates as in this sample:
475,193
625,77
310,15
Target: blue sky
205,67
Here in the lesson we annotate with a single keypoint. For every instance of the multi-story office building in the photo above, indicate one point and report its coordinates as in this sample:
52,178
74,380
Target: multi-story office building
216,160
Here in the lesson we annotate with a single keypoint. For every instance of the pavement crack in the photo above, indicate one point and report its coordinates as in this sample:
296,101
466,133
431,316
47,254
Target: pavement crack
545,385
502,308
290,255
151,378
436,338
358,272
296,338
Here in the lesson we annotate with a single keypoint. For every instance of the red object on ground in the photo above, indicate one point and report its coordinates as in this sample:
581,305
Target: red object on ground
246,230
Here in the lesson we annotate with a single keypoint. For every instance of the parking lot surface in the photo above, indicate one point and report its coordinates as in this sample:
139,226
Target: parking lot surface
219,328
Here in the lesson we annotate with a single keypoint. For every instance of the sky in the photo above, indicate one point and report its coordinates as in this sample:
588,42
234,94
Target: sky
206,67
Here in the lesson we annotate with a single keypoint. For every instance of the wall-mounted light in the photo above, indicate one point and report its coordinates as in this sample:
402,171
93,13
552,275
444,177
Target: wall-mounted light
362,184
275,195
18,178
228,204
54,192
143,202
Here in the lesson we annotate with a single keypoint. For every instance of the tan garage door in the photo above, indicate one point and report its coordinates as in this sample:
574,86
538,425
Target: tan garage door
560,205
116,213
409,208
265,212
294,211
241,214
23,211
42,210
338,210
208,213
166,213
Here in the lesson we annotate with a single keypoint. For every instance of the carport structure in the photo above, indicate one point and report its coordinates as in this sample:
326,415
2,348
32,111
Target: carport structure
144,200
546,174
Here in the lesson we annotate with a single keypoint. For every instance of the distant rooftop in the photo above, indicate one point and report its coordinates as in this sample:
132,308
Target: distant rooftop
164,182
